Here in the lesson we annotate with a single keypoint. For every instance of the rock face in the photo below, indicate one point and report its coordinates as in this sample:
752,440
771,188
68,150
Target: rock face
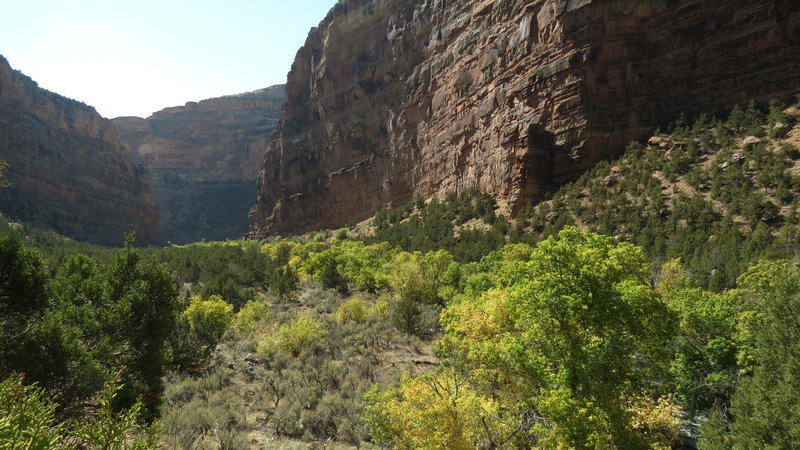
389,100
204,159
67,168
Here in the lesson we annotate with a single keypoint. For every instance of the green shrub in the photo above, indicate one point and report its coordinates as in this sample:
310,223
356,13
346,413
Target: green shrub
211,420
27,417
352,310
109,429
303,334
27,422
251,315
209,318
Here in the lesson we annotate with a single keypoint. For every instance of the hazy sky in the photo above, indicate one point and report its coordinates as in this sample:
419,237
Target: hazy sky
137,57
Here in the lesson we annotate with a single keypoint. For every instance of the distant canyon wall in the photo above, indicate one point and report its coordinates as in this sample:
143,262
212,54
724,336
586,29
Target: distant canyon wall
68,170
389,100
203,159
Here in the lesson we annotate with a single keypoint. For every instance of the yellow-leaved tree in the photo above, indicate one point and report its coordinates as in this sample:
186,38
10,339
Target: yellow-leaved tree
563,339
209,318
303,334
434,411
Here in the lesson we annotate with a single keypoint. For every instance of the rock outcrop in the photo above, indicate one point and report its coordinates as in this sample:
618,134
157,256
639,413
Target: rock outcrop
203,159
68,170
389,100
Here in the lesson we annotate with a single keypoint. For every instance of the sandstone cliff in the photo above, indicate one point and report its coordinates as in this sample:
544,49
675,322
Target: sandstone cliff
203,159
389,100
67,168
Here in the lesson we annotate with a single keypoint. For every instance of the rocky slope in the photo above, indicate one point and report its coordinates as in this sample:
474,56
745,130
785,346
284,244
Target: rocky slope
390,100
204,159
67,168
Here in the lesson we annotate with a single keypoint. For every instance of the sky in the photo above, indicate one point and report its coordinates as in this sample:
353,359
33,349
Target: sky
132,58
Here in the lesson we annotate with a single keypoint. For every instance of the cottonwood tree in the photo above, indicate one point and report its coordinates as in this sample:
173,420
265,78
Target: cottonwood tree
571,337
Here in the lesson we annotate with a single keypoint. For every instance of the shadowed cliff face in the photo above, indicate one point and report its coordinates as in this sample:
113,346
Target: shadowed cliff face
389,100
68,170
203,159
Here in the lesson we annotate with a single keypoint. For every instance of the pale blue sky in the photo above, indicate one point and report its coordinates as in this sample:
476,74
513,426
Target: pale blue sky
136,57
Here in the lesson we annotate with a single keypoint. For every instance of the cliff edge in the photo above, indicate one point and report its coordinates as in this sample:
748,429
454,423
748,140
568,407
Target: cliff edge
390,100
68,170
203,159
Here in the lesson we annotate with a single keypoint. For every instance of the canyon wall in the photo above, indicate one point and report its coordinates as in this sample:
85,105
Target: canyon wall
203,159
68,170
390,100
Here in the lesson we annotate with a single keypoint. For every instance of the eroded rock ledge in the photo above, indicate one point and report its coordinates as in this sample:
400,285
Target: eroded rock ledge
204,158
389,100
68,170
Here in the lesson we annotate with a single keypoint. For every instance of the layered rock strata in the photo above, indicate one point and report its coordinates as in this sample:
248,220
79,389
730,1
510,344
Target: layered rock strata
67,168
389,100
204,159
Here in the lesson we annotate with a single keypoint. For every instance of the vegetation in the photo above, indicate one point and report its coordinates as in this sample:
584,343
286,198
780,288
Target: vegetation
466,225
29,422
675,304
28,416
3,168
92,337
209,318
568,334
720,194
762,413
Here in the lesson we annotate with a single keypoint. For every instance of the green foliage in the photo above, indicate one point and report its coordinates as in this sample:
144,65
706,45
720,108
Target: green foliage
187,352
406,315
23,299
596,294
777,120
87,321
3,167
363,264
78,334
144,296
27,421
209,318
438,410
573,332
706,366
715,433
303,334
699,194
27,417
763,407
426,227
251,316
283,280
324,268
108,429
420,282
353,310
229,269
201,326
419,277
23,276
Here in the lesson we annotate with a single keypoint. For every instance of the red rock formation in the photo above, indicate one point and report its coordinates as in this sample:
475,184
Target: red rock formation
389,100
204,159
67,167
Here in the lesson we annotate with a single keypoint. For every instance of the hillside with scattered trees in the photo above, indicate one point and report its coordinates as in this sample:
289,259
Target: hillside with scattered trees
652,303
